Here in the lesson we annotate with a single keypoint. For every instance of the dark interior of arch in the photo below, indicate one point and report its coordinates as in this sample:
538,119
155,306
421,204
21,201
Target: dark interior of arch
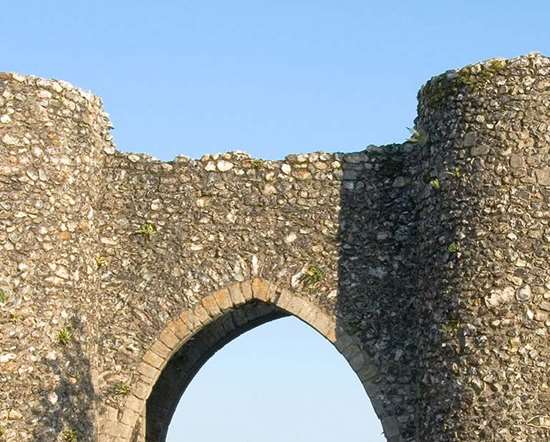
184,365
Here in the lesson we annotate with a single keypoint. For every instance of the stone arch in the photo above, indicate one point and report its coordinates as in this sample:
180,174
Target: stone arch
190,339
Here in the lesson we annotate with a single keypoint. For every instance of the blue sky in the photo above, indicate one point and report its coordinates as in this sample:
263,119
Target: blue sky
281,382
271,78
268,77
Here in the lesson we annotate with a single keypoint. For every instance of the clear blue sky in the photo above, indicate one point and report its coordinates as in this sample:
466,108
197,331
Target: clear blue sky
281,382
271,78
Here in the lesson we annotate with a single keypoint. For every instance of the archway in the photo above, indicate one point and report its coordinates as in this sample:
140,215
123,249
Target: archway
281,381
196,334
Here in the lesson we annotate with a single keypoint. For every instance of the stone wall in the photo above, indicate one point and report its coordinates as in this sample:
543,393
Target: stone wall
484,241
425,263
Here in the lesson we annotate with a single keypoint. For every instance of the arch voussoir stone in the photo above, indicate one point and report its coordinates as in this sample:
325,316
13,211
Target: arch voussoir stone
236,294
223,299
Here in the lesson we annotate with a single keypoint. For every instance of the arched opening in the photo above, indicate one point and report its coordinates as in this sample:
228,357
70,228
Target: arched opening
281,381
192,338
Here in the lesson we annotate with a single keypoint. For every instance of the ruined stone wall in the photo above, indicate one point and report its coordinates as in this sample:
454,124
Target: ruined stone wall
431,255
52,138
484,242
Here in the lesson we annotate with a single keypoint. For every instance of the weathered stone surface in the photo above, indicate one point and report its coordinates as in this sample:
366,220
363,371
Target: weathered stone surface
486,353
427,263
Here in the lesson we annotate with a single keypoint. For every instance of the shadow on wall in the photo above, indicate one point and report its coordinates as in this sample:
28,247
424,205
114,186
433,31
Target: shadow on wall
67,411
395,276
376,277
